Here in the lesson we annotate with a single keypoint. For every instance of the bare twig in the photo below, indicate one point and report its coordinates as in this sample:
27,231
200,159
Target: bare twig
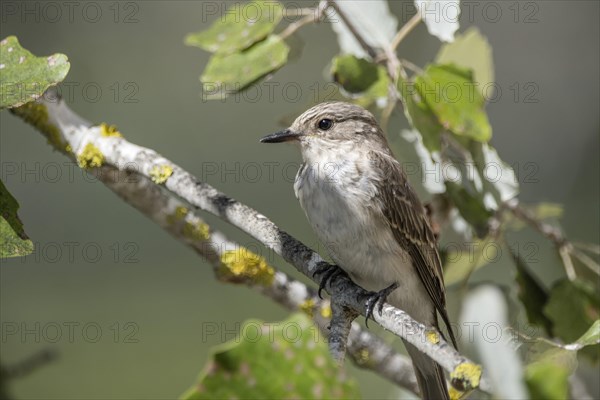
309,18
405,30
586,260
298,12
591,247
413,67
551,232
563,246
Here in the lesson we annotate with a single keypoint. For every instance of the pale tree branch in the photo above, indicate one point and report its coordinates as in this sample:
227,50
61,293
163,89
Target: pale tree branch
94,145
341,321
364,348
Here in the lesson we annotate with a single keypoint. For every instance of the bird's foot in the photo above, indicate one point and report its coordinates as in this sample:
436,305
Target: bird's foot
377,299
329,273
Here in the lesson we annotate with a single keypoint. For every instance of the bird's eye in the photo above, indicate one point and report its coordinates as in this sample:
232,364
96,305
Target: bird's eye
325,124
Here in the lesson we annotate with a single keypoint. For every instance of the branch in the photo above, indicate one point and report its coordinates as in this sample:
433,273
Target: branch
364,348
94,146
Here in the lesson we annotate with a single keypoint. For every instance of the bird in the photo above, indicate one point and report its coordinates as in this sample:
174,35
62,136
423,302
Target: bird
360,204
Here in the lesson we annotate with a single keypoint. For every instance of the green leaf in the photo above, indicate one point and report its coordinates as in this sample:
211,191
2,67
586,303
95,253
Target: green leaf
532,295
420,115
459,264
592,336
547,381
450,93
355,74
273,361
471,49
470,205
234,72
364,81
240,27
573,306
25,77
550,363
13,240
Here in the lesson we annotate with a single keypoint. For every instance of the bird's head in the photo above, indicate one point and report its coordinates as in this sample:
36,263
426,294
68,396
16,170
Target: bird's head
330,124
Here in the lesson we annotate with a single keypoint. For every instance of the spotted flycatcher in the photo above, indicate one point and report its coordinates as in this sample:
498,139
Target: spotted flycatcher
362,207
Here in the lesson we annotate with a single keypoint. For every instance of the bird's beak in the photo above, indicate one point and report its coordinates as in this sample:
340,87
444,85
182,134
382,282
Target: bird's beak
282,136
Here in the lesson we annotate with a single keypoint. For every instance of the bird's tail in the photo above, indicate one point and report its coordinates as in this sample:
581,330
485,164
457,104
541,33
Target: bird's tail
430,376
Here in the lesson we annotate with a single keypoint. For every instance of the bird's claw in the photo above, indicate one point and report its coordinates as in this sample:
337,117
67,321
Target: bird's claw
377,299
329,272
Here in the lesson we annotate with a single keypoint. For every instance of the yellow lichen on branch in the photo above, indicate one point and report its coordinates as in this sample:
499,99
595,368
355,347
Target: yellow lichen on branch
432,337
193,228
308,306
109,130
466,376
160,173
243,265
326,310
90,157
198,231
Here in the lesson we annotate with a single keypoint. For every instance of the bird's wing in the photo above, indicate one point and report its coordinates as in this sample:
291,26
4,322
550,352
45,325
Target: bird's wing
406,217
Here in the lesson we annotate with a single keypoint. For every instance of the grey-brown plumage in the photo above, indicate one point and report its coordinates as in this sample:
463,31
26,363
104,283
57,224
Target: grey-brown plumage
362,207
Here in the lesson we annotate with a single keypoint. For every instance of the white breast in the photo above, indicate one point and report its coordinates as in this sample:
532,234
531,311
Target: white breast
337,191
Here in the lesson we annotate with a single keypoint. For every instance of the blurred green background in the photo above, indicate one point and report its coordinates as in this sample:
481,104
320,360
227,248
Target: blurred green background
101,264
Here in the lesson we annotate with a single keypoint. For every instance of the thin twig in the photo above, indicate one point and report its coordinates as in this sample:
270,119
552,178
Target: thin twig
586,260
591,247
563,246
413,67
567,262
405,30
551,232
298,12
315,16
